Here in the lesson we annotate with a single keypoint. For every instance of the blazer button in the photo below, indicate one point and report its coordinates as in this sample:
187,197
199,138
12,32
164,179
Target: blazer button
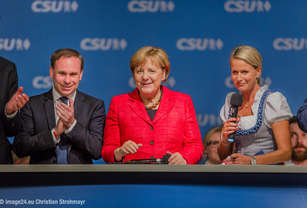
152,142
151,127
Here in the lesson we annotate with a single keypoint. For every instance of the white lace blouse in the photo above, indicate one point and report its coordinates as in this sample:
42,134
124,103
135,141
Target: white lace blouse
250,139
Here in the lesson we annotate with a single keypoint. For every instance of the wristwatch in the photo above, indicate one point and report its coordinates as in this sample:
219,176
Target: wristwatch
253,160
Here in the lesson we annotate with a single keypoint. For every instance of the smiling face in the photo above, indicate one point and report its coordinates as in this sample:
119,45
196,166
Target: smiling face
66,74
244,76
148,78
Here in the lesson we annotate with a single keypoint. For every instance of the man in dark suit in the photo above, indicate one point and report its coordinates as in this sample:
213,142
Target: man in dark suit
11,100
64,125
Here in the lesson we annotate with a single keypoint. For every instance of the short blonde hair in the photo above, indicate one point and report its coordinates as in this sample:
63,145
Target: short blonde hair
154,53
248,54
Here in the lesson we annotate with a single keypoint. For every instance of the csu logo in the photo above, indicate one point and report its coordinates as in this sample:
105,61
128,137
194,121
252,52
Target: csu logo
263,81
151,6
170,82
44,6
42,82
17,44
287,44
199,44
208,119
104,44
238,6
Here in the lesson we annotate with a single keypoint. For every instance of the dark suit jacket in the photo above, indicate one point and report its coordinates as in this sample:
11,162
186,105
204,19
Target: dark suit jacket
38,118
302,116
8,127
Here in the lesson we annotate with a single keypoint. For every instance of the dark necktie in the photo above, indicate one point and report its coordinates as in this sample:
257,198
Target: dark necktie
64,100
63,144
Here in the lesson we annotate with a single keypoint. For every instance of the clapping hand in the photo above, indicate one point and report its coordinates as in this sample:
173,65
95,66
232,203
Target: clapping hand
66,113
18,100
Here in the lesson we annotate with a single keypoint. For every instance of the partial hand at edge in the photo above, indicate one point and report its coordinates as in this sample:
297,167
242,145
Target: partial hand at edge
18,100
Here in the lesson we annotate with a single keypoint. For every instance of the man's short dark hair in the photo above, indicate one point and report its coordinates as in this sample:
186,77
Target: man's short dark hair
66,52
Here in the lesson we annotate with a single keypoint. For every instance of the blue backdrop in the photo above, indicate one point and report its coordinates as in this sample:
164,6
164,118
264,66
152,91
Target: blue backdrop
198,35
162,196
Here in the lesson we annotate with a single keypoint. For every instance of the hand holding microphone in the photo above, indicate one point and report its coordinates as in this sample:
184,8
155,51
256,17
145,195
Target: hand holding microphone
176,159
231,125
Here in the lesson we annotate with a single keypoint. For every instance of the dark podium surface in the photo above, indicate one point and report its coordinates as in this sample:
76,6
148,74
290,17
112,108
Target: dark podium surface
260,175
152,186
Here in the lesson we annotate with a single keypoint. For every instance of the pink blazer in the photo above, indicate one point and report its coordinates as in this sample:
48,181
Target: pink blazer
174,127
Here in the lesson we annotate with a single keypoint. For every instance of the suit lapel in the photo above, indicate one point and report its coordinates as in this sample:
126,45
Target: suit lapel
136,105
77,104
166,104
49,109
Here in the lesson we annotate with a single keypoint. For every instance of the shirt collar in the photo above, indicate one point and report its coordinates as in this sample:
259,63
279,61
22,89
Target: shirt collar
56,95
259,93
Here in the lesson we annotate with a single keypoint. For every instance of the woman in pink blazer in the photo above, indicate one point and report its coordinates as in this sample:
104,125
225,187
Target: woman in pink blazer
151,121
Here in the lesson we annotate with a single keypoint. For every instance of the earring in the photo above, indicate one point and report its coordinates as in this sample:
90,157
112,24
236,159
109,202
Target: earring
258,79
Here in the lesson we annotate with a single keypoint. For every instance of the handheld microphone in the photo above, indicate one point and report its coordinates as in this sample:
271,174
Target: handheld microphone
163,160
235,102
